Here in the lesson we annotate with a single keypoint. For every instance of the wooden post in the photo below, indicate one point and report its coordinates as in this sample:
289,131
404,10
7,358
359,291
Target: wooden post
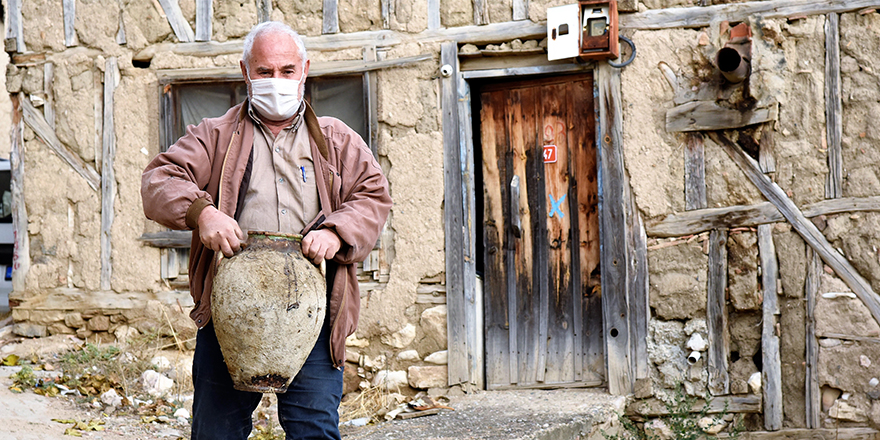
69,7
108,179
331,18
612,221
49,89
21,248
371,87
767,150
833,108
771,372
472,295
637,289
694,172
179,25
98,115
14,32
805,228
481,12
387,10
455,296
433,14
716,311
520,10
120,34
205,17
811,291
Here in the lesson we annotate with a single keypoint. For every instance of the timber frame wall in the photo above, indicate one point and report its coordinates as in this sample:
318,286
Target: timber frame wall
624,234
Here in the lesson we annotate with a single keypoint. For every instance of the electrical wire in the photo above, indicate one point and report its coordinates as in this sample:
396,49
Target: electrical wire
632,56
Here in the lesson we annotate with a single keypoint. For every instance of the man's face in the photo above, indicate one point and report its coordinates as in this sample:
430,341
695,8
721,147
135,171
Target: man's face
275,55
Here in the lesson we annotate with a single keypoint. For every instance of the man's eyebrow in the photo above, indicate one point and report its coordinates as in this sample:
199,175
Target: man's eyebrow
289,67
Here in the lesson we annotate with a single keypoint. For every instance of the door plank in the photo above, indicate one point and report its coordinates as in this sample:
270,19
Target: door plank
560,343
495,285
523,131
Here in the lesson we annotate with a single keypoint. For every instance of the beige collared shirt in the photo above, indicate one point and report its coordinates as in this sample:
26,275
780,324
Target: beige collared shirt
282,195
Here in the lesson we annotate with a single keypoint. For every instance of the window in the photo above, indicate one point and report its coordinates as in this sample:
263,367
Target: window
188,102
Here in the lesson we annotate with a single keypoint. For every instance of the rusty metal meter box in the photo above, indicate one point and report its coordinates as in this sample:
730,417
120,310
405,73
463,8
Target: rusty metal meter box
587,30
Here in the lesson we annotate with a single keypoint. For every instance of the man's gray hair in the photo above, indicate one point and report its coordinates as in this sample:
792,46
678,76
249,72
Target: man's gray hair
270,27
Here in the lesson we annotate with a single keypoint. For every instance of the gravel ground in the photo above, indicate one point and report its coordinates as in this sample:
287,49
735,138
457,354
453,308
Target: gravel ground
505,415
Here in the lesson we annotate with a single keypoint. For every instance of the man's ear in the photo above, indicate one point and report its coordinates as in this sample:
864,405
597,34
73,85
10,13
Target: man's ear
306,70
244,72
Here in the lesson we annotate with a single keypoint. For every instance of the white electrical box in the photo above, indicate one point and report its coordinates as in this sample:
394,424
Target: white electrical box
563,32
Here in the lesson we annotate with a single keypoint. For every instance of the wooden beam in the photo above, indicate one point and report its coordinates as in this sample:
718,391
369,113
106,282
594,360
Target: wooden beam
771,373
69,8
813,396
454,222
528,70
848,337
702,16
812,434
371,89
317,69
693,222
205,20
179,25
520,10
167,239
14,32
833,107
49,89
21,248
481,12
806,229
330,23
472,292
38,124
708,115
654,407
433,14
767,151
716,314
108,178
492,33
694,172
614,258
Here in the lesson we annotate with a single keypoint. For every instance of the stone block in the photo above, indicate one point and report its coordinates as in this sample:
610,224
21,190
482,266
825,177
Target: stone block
433,323
74,320
60,329
46,317
123,333
29,330
427,377
83,333
19,315
438,357
99,323
390,380
742,271
409,356
350,379
400,338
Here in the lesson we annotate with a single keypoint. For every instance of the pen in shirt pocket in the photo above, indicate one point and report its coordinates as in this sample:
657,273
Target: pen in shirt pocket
303,169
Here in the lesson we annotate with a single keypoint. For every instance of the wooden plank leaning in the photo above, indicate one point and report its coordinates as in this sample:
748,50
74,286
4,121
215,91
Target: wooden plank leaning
805,228
38,124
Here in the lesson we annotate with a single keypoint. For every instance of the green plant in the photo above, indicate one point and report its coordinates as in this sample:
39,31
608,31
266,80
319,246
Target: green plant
681,419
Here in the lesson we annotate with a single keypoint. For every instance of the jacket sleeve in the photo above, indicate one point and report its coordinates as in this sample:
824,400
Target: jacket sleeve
175,181
364,198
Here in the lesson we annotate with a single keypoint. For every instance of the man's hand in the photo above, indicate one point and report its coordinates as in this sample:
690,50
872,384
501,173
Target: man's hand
219,232
320,245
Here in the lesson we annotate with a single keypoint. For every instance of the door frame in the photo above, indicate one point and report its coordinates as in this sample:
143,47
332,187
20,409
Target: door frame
623,257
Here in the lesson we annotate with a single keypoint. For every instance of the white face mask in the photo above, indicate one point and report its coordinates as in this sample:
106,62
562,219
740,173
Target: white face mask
276,99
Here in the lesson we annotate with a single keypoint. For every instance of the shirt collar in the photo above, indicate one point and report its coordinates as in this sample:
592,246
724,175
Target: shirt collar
295,124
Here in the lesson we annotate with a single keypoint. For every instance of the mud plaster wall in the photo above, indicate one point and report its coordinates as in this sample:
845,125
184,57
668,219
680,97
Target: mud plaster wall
64,213
788,65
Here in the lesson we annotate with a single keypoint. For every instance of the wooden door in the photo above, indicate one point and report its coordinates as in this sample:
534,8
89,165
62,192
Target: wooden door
543,314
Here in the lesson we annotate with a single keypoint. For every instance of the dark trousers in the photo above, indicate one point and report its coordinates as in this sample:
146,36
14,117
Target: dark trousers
308,410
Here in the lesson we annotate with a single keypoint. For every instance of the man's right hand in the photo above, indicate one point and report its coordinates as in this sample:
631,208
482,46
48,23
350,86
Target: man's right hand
219,232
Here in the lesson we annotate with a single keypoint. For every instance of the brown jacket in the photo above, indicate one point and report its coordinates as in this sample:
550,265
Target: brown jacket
209,165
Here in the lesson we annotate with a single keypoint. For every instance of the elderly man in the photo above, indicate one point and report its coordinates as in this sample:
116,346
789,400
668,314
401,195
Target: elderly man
270,164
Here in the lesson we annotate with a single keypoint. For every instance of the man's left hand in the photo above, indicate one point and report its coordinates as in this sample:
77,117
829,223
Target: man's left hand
320,245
